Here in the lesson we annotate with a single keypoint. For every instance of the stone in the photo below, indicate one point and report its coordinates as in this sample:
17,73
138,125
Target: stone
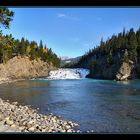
63,130
68,126
26,130
30,122
53,120
31,129
13,125
43,130
65,123
9,122
15,103
69,130
7,118
75,124
21,128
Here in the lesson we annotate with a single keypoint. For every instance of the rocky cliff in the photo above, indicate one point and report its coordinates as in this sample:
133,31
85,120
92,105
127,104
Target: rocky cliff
24,68
126,71
119,69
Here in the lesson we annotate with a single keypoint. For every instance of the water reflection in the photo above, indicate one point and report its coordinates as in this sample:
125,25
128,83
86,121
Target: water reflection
124,82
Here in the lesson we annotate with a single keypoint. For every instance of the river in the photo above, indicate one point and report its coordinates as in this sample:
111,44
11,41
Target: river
99,105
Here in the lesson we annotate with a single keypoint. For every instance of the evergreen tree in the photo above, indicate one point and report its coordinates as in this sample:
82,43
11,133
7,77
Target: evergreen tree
132,44
6,16
41,48
22,47
138,42
110,58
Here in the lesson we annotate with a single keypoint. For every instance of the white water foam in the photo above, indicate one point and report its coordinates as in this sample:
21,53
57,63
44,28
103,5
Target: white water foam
76,73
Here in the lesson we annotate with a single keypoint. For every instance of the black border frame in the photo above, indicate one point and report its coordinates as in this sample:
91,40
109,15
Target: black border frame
70,3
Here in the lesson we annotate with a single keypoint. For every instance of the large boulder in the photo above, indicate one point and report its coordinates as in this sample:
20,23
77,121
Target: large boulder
125,71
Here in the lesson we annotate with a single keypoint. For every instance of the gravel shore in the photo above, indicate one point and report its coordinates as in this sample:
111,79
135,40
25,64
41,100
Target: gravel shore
26,119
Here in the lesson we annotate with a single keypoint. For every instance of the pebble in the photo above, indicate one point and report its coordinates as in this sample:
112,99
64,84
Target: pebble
68,126
30,122
43,130
31,129
69,130
13,125
10,122
15,103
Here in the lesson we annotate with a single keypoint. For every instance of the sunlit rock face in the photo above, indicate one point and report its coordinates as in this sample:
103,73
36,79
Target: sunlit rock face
76,73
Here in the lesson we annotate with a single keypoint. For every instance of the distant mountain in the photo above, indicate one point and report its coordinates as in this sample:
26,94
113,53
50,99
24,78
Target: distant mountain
66,60
64,57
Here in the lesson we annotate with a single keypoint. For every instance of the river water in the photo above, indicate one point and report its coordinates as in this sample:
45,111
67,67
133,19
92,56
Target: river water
99,105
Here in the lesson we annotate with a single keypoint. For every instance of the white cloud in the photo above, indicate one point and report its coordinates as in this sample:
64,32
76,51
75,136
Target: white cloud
66,16
60,15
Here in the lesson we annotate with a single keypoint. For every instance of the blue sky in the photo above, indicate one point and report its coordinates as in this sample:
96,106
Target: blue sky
71,31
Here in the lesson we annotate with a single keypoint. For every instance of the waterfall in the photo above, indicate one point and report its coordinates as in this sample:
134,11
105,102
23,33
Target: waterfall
75,73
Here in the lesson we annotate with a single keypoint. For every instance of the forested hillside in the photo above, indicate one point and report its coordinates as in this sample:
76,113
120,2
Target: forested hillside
105,60
10,47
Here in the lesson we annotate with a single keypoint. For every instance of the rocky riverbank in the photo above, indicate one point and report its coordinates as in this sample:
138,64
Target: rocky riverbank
26,119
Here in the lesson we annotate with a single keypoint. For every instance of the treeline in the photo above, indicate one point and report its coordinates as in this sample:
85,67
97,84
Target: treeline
10,47
126,45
